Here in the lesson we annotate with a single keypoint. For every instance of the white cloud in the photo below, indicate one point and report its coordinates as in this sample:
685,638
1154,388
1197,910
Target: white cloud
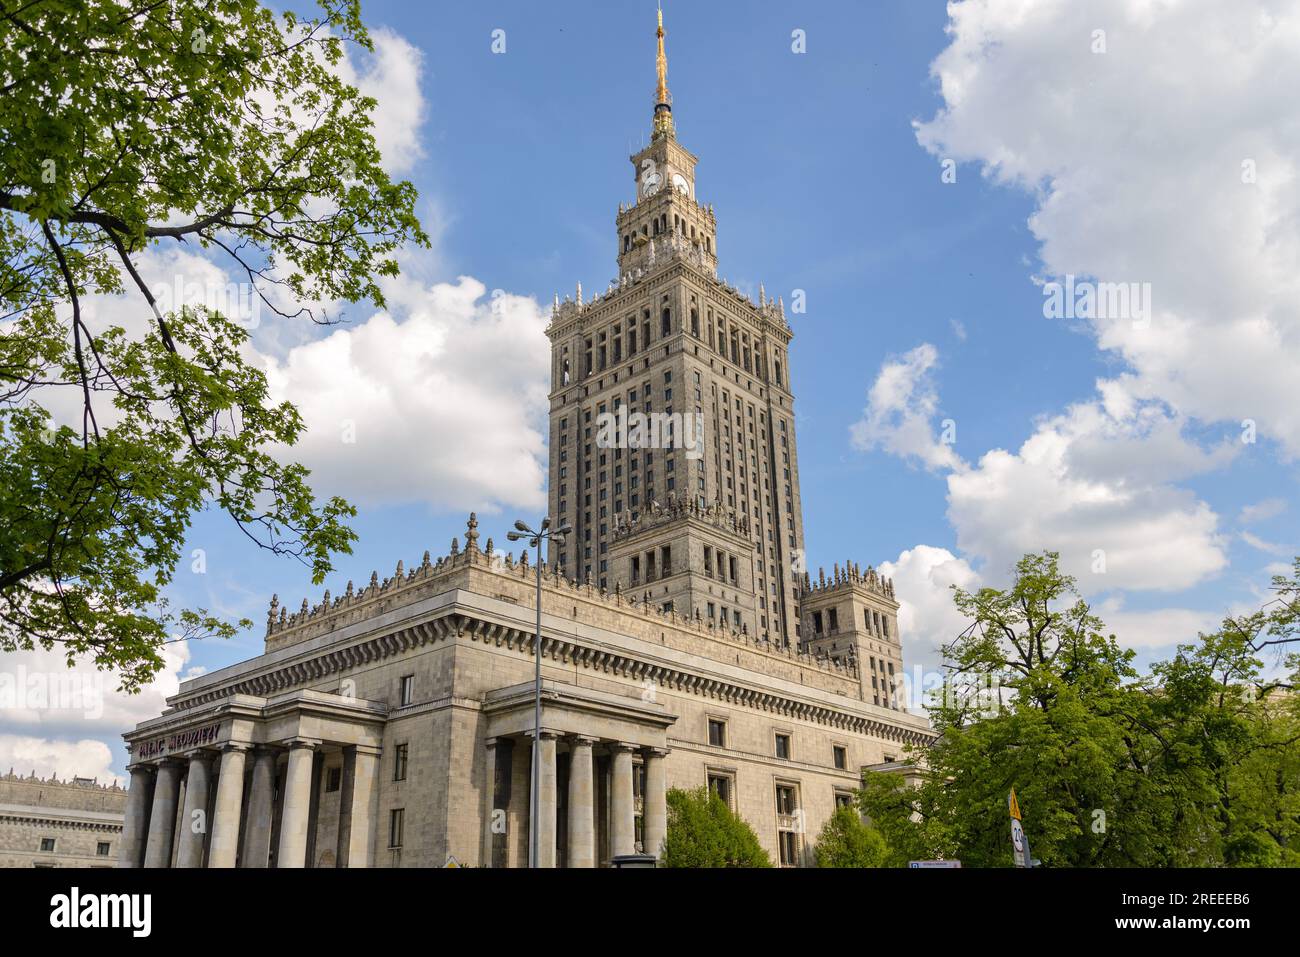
1136,157
443,407
1095,488
392,77
87,758
901,404
1271,548
1094,483
927,619
57,719
1261,511
1160,628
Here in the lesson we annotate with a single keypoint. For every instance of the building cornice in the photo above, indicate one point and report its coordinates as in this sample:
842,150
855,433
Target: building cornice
459,621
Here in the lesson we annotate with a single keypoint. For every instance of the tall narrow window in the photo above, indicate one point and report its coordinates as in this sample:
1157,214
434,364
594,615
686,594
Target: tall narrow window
399,761
396,825
717,733
407,693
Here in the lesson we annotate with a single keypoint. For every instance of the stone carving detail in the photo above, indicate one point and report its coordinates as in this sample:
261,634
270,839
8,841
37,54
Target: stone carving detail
657,513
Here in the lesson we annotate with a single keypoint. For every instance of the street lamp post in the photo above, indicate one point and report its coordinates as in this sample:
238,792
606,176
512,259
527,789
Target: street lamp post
535,540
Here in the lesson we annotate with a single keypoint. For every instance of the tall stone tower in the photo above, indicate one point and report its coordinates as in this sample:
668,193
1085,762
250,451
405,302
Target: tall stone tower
672,422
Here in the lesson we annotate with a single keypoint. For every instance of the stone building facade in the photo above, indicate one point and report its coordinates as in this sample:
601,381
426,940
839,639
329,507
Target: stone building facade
53,823
683,642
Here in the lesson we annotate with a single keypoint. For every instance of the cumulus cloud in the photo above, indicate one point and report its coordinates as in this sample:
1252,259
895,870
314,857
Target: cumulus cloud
1096,483
443,407
1096,488
901,405
1161,147
392,76
927,619
1171,158
56,719
1160,628
87,758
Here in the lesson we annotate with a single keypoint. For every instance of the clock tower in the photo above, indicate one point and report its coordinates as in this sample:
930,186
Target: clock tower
664,175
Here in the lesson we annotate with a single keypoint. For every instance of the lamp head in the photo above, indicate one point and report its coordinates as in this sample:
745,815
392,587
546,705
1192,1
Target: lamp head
513,536
520,526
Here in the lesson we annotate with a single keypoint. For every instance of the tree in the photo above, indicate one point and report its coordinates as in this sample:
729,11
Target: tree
1193,764
703,832
845,841
132,130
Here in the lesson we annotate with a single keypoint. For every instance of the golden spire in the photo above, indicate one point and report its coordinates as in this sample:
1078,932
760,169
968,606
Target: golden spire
663,123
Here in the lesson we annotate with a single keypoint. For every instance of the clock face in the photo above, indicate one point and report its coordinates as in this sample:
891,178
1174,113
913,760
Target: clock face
681,184
650,182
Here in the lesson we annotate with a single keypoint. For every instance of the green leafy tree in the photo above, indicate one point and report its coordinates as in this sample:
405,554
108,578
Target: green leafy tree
846,841
134,130
1193,764
703,832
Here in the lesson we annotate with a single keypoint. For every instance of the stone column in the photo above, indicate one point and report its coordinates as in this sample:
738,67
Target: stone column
656,800
261,810
313,813
582,804
489,801
546,803
136,821
162,816
194,818
622,823
224,847
297,805
358,804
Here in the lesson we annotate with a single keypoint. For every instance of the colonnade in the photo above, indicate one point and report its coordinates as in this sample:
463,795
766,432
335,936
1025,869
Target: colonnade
217,828
581,804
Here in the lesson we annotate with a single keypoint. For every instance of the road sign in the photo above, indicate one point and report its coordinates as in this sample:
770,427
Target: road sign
1018,843
934,863
1014,805
451,861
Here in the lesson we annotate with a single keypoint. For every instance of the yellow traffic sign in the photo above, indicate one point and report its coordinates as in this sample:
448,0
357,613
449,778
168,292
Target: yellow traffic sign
1014,805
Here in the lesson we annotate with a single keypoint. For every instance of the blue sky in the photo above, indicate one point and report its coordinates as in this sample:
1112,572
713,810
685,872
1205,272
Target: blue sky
824,168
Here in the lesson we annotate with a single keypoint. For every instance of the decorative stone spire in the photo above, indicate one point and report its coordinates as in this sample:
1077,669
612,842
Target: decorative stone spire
270,615
471,533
